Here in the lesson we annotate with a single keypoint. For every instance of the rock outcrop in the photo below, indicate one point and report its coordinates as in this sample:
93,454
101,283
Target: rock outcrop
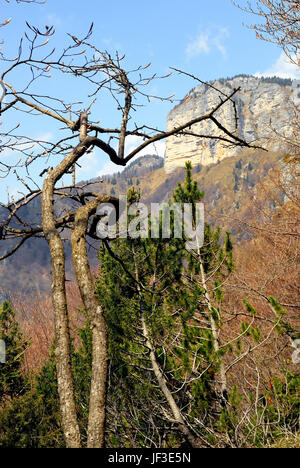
263,105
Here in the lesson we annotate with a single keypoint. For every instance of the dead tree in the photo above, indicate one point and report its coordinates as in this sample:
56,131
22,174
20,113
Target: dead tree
280,23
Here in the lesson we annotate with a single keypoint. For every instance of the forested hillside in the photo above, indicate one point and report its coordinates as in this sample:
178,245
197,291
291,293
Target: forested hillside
226,185
196,349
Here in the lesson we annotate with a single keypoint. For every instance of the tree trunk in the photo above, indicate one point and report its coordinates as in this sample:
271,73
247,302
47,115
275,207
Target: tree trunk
63,348
62,335
182,425
97,405
162,383
214,329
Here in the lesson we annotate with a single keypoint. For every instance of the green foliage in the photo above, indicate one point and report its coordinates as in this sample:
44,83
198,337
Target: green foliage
152,287
218,293
157,284
280,312
281,326
228,247
279,411
33,420
11,375
125,306
250,309
82,372
248,330
189,192
277,80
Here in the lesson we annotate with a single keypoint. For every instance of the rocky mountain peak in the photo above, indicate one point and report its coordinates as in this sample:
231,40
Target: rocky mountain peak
263,105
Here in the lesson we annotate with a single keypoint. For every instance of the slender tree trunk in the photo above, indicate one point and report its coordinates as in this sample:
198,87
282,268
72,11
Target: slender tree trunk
63,348
215,331
62,333
97,405
183,427
162,383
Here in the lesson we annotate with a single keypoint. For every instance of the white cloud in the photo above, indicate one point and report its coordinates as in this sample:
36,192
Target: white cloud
204,43
198,46
133,142
112,45
47,136
53,19
283,68
109,168
6,153
88,163
16,192
219,40
28,146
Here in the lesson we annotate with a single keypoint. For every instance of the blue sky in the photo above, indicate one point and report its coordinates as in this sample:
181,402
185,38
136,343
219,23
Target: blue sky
205,38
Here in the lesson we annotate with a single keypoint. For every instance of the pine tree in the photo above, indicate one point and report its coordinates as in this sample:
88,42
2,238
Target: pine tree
153,308
33,419
12,381
208,261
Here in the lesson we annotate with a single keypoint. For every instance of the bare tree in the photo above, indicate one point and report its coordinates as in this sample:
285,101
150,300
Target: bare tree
98,72
20,1
280,23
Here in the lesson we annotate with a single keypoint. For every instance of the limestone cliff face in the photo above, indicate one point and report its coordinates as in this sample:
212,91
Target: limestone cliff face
262,106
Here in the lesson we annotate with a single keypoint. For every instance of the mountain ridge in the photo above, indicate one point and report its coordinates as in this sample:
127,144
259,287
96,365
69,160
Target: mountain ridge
264,109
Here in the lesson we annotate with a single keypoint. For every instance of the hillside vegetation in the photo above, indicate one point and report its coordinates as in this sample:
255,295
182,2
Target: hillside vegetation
227,186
